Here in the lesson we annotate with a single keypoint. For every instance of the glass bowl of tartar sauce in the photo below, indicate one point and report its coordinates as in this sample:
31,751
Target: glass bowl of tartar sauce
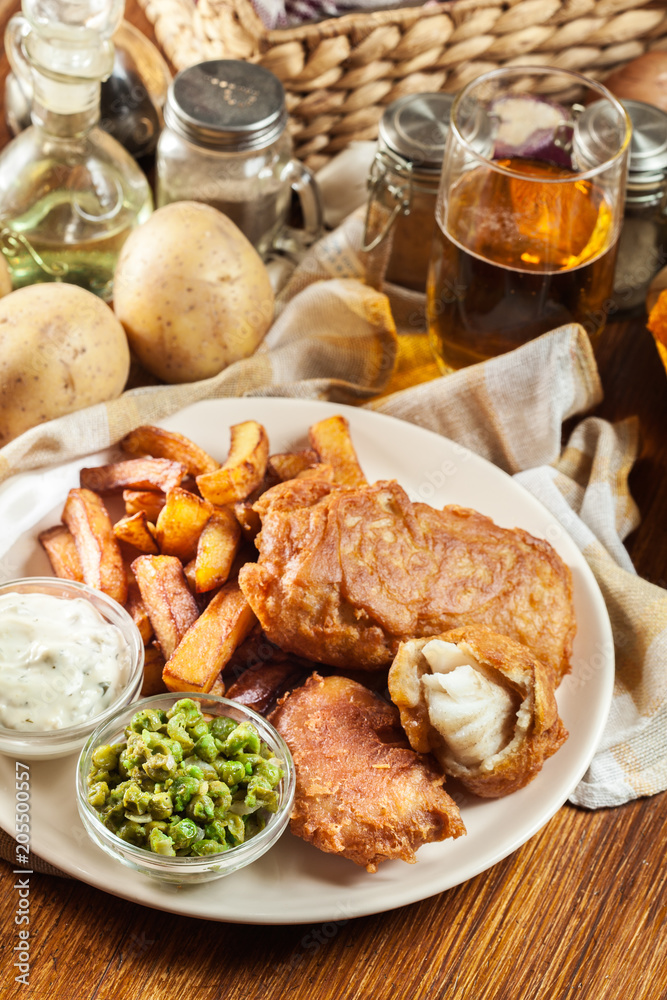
69,658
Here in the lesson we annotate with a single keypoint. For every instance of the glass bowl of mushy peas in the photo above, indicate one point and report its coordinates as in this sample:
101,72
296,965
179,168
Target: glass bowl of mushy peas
70,657
185,787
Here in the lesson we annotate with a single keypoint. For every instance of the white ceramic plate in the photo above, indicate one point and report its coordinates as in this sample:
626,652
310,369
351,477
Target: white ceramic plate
294,882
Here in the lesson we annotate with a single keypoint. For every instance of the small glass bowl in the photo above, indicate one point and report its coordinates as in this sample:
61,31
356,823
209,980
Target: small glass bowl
186,870
52,743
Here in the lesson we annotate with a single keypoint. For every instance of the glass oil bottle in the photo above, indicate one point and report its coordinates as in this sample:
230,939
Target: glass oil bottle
70,194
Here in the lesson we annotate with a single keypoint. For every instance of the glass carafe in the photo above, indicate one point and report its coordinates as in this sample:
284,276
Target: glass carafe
69,193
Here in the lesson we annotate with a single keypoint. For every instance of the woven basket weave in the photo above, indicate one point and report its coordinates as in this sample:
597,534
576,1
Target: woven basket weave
341,73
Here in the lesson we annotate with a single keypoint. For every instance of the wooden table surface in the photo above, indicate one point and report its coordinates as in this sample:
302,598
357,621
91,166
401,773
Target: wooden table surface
579,911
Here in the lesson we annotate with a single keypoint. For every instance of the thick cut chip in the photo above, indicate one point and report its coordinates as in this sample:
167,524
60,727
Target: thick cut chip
331,440
150,502
180,523
321,470
137,609
155,441
218,687
216,550
209,644
135,530
153,667
244,469
59,546
134,474
99,553
261,685
248,518
290,464
170,605
361,791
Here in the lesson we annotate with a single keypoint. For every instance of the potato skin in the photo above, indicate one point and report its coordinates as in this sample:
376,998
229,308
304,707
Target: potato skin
61,349
5,278
192,293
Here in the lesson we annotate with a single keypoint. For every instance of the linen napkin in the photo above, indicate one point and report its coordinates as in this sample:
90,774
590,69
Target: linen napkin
334,338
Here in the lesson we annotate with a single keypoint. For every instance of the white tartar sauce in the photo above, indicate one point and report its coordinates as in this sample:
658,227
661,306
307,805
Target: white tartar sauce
61,663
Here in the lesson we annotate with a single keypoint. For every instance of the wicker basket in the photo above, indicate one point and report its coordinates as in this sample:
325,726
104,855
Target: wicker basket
340,74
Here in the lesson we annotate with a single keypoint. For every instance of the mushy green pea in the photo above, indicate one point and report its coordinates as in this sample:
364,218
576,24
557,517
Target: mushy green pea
184,785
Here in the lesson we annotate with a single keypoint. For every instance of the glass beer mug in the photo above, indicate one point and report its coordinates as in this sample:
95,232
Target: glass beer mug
529,211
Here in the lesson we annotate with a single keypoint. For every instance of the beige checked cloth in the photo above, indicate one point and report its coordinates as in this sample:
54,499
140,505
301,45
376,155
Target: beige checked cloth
335,338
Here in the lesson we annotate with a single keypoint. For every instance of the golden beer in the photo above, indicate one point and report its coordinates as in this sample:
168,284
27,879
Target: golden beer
524,246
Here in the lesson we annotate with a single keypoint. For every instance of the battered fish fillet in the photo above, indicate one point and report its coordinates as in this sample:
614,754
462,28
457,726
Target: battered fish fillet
344,575
361,792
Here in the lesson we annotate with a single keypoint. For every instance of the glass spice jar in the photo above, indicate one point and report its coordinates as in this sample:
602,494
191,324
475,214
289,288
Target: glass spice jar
403,188
225,143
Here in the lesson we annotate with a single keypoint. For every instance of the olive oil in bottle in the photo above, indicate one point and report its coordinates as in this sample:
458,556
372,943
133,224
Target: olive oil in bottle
70,194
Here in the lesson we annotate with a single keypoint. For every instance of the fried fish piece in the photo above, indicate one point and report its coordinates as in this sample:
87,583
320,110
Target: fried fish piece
344,575
481,703
361,791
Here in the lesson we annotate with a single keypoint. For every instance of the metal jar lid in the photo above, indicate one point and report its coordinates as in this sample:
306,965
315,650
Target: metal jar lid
648,147
414,129
647,159
226,104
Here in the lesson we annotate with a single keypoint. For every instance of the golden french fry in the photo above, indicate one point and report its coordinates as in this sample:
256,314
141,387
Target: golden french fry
331,440
153,667
99,553
170,605
59,546
218,686
248,518
134,474
180,523
135,529
189,569
288,465
322,470
155,441
210,642
150,501
244,469
216,550
259,686
137,609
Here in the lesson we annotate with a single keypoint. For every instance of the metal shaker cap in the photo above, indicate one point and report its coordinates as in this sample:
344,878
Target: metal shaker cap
227,104
648,147
597,138
414,128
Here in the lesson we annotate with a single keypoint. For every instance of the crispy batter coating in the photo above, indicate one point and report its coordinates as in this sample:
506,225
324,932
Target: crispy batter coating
344,575
535,731
361,791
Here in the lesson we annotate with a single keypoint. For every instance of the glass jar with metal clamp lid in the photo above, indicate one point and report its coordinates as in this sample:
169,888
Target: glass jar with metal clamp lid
403,188
642,249
642,245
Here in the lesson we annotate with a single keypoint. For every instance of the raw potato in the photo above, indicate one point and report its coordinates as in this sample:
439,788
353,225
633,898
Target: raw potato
5,277
192,293
643,79
61,349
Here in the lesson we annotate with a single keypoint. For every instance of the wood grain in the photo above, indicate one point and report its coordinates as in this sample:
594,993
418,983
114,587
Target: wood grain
580,911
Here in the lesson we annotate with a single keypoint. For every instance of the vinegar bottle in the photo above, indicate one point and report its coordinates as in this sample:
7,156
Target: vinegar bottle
69,193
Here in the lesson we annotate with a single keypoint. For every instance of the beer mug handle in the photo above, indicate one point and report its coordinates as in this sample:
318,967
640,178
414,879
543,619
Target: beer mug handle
305,186
291,241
